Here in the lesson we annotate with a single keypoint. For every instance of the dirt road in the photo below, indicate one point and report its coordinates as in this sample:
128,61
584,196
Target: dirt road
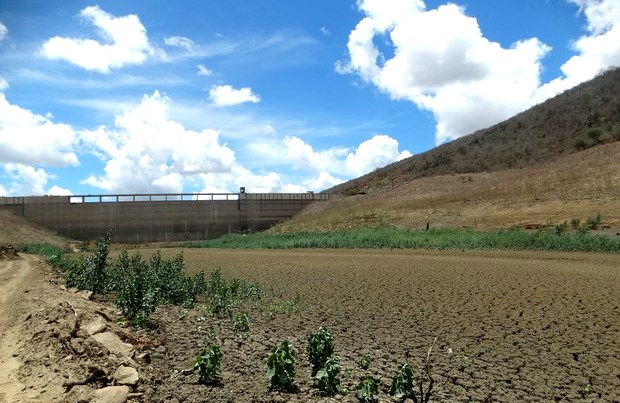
22,289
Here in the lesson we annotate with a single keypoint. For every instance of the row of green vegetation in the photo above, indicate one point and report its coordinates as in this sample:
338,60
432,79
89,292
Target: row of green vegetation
555,239
325,373
140,285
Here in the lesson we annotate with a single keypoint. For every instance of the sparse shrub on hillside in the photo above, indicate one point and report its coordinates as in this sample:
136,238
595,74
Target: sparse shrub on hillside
593,223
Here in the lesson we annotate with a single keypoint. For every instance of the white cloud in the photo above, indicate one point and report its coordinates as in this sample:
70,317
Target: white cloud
26,180
597,51
3,191
225,95
29,138
59,191
3,31
321,182
325,31
3,84
203,70
146,151
180,42
125,42
443,63
374,153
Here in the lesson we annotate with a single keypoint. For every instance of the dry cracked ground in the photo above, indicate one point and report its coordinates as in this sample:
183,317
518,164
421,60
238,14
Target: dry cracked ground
510,326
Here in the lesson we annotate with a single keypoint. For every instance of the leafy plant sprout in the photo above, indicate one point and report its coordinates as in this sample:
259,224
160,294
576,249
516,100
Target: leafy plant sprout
208,365
320,348
281,367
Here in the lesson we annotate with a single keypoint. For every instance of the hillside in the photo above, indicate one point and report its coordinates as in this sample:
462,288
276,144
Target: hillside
18,231
556,162
575,186
577,119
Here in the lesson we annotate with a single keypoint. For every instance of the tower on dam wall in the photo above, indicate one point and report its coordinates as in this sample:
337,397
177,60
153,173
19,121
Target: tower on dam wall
143,218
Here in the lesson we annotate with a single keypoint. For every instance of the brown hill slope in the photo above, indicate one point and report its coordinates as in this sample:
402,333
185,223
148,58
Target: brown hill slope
577,119
19,231
574,186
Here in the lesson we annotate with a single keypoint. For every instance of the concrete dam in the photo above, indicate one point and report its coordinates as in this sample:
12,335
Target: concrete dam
143,218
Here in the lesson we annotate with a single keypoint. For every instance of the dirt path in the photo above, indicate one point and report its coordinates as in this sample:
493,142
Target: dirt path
17,279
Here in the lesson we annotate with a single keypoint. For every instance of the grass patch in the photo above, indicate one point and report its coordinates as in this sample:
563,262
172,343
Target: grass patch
440,239
42,249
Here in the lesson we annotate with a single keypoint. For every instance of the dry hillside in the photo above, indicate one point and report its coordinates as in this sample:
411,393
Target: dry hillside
582,117
553,163
18,231
578,185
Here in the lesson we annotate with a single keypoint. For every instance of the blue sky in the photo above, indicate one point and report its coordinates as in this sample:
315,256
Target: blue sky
277,96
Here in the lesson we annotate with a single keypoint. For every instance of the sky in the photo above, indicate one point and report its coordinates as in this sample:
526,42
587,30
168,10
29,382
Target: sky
154,96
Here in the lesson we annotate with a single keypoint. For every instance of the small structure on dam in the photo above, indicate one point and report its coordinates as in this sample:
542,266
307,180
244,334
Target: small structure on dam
142,218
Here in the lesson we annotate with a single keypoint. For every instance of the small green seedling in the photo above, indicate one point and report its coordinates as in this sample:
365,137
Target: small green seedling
208,365
326,378
364,362
281,366
367,390
320,348
402,384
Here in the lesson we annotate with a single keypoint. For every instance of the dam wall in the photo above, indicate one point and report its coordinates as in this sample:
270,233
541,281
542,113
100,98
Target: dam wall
144,218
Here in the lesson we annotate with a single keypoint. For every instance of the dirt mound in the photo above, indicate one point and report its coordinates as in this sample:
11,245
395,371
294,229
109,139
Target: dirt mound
8,252
58,346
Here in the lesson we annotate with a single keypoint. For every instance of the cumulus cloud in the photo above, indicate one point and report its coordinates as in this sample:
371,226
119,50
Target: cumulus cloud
225,95
180,42
124,42
442,62
374,153
595,51
3,31
26,180
31,139
203,70
146,151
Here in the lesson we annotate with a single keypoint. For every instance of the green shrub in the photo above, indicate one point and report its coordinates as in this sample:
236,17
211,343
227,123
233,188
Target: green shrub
281,366
367,390
208,365
320,348
402,384
137,295
326,378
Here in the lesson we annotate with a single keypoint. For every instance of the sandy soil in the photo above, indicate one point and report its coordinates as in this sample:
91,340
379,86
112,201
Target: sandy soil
510,326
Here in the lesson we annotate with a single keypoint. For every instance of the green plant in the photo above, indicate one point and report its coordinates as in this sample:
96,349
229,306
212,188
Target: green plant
219,306
402,384
208,364
281,366
136,296
326,378
575,223
366,391
593,222
364,362
240,322
320,348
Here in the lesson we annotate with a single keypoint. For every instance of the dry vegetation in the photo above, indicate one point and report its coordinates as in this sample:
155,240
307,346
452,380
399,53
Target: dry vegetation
575,186
582,117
